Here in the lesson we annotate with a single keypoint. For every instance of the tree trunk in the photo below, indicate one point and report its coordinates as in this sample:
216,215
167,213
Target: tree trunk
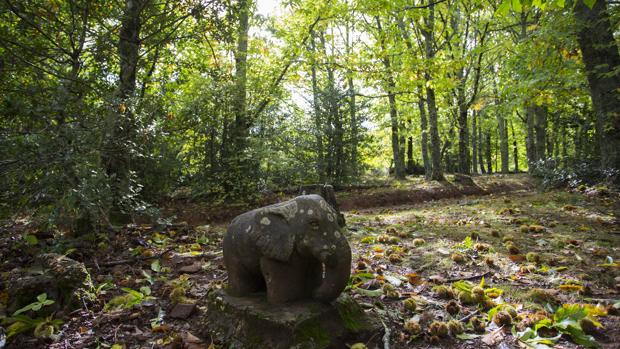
424,135
410,162
398,156
427,32
530,146
318,124
352,110
489,158
502,132
552,144
480,144
474,142
541,132
240,169
515,149
128,48
503,141
564,150
121,128
601,58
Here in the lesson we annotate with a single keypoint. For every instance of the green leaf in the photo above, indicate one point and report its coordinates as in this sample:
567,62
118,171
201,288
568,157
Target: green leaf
145,290
24,309
369,293
463,285
31,240
132,292
517,6
503,8
156,266
589,3
42,297
17,328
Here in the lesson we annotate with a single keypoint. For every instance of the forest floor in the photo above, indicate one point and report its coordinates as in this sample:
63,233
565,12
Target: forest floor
526,263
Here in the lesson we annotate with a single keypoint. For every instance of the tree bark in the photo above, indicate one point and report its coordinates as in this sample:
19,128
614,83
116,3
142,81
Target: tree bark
480,145
541,133
515,149
474,142
424,135
530,146
427,32
488,153
318,124
398,156
120,125
239,169
352,110
601,58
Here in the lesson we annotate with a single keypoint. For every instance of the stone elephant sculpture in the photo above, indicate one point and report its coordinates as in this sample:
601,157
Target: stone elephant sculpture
293,250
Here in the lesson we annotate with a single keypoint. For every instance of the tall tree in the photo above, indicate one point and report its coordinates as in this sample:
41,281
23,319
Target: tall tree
602,60
397,150
429,42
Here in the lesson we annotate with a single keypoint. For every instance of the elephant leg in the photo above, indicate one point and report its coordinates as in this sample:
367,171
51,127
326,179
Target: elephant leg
314,276
285,280
242,282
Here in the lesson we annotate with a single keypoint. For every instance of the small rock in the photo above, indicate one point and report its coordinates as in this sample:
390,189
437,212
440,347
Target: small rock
188,337
182,311
438,279
192,268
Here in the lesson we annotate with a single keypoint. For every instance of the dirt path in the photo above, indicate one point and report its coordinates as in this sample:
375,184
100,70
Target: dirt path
410,191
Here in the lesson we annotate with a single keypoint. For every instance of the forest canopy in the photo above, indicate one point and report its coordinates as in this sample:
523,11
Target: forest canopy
110,108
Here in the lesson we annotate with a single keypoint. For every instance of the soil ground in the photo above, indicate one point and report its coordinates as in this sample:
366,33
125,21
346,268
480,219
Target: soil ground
406,241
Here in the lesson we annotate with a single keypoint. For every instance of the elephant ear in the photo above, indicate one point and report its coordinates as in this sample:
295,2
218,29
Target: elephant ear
274,237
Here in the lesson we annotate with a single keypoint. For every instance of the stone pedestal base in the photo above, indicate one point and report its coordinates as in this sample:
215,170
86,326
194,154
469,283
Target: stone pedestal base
251,322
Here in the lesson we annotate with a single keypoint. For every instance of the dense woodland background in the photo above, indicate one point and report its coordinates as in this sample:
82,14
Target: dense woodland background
110,108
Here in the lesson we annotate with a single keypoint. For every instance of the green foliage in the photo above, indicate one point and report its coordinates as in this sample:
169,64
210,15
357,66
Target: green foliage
321,105
44,327
36,305
130,299
467,243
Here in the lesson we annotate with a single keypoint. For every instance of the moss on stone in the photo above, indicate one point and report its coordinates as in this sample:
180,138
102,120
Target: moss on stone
351,314
313,335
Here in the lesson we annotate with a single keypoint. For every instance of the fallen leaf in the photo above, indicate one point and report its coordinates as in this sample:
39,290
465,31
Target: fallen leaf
494,337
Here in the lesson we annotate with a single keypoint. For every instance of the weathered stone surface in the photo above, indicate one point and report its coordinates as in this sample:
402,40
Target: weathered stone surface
61,278
192,268
251,322
182,311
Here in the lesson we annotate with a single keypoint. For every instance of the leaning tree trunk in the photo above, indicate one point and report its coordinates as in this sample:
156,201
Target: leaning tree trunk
601,58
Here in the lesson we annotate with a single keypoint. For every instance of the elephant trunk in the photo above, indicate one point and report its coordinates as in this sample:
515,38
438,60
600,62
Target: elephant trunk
336,273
